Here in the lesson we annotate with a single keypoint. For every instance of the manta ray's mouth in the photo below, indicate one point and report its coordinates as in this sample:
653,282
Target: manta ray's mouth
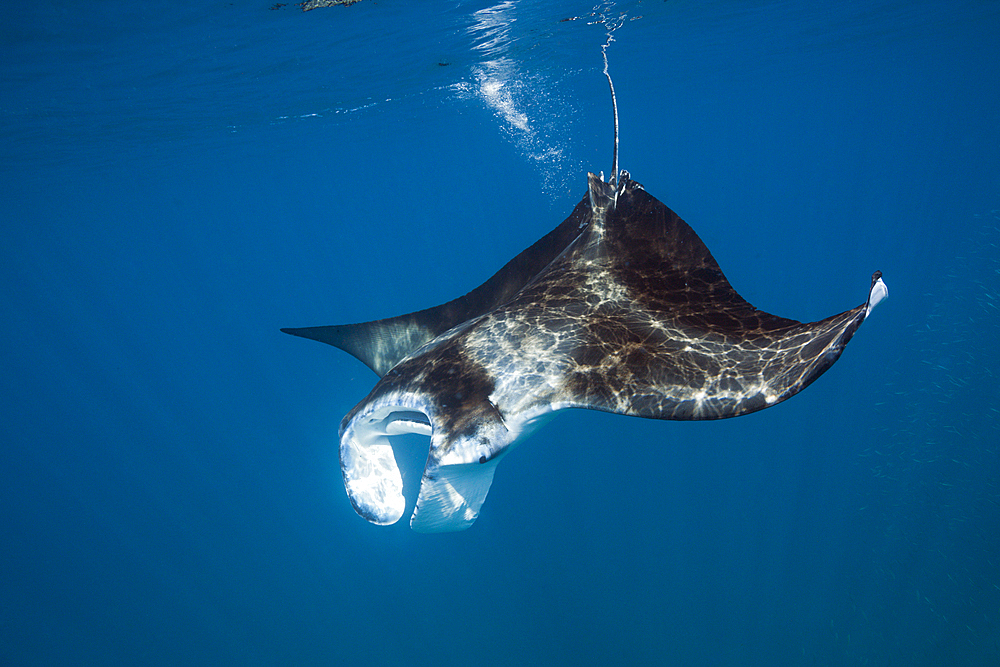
374,483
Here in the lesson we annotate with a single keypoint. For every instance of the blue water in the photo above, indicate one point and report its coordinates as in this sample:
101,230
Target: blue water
180,180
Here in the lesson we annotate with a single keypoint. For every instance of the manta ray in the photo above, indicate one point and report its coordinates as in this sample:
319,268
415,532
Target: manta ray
621,308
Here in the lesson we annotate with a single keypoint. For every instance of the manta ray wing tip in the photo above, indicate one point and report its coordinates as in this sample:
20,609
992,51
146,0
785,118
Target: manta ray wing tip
877,293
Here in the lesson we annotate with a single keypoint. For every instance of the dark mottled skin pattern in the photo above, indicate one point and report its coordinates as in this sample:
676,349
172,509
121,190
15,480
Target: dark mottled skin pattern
634,316
637,318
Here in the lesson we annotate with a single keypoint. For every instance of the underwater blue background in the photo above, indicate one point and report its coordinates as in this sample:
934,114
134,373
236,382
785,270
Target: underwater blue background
180,180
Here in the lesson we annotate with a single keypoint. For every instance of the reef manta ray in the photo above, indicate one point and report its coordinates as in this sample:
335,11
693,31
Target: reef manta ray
621,308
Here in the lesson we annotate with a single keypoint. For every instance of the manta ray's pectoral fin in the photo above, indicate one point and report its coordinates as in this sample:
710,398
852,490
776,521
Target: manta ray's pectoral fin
719,366
381,344
670,337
